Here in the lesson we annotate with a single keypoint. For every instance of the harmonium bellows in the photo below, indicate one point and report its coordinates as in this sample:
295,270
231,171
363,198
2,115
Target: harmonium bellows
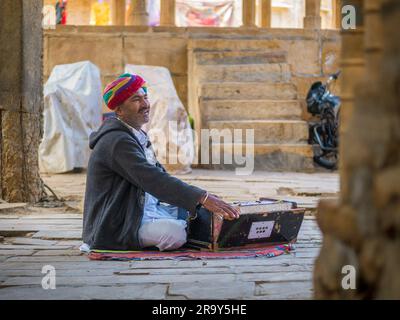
263,222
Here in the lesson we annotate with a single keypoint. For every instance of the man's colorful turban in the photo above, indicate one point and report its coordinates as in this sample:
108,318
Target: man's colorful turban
121,89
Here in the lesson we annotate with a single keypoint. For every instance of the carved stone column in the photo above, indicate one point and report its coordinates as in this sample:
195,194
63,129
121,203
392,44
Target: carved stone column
118,12
266,13
249,13
312,20
138,15
337,13
167,13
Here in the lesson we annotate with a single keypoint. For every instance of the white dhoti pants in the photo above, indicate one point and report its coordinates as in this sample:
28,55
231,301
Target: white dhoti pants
165,234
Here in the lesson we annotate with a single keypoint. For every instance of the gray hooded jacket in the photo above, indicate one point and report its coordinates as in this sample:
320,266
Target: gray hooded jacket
118,176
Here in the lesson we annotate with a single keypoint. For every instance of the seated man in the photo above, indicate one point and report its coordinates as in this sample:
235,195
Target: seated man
126,185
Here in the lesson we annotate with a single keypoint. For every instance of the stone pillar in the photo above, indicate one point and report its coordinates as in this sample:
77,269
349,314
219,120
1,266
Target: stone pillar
373,38
249,13
312,20
167,13
118,12
21,99
138,15
363,229
352,64
338,221
266,13
337,13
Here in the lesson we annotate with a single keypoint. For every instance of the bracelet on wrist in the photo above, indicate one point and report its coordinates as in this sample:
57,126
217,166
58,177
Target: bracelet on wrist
206,197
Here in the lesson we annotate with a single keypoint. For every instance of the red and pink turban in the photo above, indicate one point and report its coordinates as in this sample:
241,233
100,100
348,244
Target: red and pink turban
121,89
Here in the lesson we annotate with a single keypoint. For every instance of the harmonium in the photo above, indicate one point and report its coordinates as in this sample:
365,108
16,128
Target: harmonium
262,222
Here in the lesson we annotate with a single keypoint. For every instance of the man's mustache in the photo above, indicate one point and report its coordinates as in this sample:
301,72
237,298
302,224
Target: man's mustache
144,109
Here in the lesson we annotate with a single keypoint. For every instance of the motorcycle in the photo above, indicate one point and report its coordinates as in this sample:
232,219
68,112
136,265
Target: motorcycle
324,133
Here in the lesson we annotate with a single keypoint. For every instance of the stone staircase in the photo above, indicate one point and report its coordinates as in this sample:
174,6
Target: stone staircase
248,88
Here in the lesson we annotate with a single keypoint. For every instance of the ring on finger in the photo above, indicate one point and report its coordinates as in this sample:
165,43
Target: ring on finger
220,215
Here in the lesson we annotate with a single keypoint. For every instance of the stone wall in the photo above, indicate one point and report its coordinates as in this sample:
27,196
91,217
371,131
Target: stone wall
363,229
21,100
312,54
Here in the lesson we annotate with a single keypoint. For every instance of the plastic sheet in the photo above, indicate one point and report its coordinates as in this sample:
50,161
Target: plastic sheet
208,13
169,127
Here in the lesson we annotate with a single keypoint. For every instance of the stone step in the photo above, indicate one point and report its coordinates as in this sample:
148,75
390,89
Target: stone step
250,109
272,72
240,57
237,44
265,131
248,91
271,157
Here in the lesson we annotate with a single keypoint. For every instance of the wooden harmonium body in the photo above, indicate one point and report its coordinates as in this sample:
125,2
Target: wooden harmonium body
264,222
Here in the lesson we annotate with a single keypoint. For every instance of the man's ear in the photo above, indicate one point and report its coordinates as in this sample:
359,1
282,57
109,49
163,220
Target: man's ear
118,111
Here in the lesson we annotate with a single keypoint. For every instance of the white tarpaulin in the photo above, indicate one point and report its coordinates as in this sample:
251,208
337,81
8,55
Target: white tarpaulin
72,110
169,127
208,13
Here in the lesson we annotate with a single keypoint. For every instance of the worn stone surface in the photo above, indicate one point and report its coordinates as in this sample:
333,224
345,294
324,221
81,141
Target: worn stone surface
304,188
331,56
21,96
252,72
285,290
10,55
303,56
124,292
213,290
159,50
263,109
266,131
105,51
32,53
267,156
251,91
284,277
12,157
20,175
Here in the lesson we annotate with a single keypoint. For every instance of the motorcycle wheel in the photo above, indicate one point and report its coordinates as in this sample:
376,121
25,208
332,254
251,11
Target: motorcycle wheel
328,135
327,162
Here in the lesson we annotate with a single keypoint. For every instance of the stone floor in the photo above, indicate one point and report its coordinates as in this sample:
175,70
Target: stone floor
32,237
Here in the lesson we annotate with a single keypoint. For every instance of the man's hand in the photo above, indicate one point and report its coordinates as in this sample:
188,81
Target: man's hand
221,208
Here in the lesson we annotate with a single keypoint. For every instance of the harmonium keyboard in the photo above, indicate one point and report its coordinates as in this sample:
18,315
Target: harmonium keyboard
263,222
